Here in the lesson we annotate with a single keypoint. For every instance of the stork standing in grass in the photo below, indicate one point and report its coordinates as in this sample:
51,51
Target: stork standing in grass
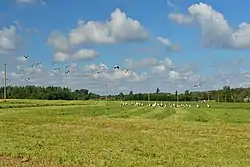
208,106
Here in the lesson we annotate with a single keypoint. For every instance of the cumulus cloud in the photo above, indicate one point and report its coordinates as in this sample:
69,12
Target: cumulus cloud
151,64
144,74
119,28
82,54
181,18
163,65
144,63
58,41
215,29
21,59
78,77
9,40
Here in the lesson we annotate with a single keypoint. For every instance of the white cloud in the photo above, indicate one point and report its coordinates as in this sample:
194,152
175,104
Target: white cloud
158,69
174,75
26,2
9,40
21,59
120,75
61,57
149,73
92,67
171,4
14,75
180,18
152,64
120,28
144,63
58,41
167,63
33,70
85,54
82,54
164,41
215,29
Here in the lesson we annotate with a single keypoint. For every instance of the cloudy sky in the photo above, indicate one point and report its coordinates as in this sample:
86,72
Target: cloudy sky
170,44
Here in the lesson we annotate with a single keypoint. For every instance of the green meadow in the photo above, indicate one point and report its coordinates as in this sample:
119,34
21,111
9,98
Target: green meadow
98,133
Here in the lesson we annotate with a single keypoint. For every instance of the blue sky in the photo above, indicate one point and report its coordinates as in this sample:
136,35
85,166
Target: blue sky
198,35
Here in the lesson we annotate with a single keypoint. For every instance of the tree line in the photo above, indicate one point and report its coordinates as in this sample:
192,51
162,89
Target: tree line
46,93
226,94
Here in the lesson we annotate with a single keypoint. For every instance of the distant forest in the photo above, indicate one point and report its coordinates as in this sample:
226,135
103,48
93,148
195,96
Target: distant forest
226,94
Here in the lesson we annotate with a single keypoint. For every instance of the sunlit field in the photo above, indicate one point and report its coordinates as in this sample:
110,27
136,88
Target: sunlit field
99,133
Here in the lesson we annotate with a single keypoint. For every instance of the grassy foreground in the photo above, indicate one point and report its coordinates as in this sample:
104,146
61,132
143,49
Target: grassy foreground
92,133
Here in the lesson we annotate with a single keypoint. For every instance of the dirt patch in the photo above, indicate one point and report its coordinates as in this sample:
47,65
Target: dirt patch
13,159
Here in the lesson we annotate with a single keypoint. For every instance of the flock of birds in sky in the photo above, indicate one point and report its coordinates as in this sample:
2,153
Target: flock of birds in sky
66,69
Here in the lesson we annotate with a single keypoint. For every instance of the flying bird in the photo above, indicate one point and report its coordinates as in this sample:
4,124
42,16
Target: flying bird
56,69
197,85
53,62
26,56
116,67
67,71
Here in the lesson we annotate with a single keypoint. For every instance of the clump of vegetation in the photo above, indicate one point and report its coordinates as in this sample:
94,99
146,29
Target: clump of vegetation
200,118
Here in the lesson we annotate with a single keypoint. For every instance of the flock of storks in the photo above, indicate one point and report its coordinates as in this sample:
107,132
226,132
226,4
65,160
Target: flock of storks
66,68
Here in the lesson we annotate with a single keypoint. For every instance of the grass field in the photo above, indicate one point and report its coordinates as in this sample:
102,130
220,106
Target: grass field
92,133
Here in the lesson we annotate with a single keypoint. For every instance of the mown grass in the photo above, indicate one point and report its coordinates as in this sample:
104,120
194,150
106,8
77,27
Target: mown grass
107,134
42,103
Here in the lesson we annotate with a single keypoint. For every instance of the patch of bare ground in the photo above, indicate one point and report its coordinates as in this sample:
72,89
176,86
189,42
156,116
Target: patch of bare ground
14,159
